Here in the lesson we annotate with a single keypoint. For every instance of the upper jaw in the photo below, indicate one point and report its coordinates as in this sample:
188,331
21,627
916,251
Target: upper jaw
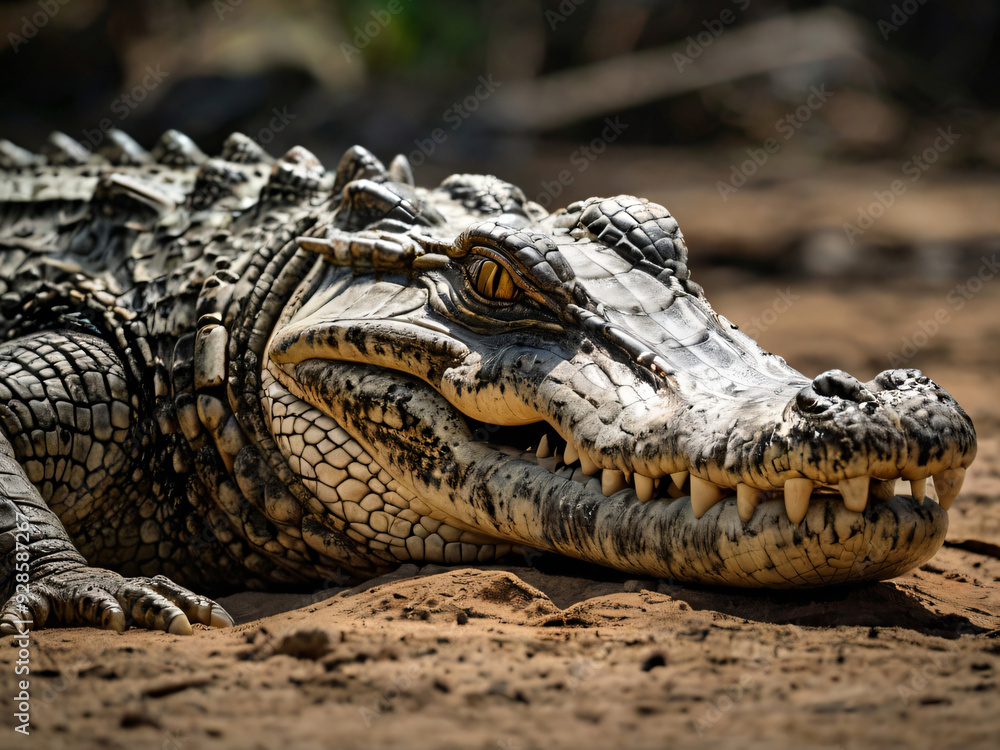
843,438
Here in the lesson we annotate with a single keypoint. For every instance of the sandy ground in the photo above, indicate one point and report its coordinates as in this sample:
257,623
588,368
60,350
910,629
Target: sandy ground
548,653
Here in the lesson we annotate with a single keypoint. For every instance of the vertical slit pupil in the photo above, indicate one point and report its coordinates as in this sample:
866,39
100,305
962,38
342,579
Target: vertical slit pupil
493,281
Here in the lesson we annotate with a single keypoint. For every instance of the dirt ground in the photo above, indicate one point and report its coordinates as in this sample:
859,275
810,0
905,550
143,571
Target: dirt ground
547,653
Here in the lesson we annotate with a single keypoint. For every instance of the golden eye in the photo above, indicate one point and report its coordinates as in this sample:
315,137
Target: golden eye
493,281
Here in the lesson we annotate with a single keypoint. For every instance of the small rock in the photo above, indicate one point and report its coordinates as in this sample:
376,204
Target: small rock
311,643
132,719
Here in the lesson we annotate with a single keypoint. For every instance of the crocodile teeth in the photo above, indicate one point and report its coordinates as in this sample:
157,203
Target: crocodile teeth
558,456
855,492
543,450
587,463
673,490
571,454
679,477
747,500
918,488
948,484
797,492
643,487
704,495
612,481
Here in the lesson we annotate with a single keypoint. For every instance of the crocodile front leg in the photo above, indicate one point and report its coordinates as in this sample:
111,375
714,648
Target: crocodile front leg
44,579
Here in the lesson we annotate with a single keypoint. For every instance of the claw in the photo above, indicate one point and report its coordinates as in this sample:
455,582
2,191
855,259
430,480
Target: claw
221,618
9,628
94,597
180,626
114,619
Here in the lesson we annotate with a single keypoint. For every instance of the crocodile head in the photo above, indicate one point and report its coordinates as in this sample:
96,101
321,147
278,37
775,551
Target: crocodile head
558,381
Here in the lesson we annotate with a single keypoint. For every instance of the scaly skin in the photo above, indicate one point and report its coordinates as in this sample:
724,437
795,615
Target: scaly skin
244,372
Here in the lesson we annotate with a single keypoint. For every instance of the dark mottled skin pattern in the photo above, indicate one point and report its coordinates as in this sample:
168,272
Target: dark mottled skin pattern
152,426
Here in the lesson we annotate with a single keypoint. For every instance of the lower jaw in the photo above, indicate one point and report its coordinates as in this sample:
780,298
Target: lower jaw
830,546
664,538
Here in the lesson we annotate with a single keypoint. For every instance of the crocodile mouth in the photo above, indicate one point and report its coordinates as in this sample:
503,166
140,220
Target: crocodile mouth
524,485
665,527
539,444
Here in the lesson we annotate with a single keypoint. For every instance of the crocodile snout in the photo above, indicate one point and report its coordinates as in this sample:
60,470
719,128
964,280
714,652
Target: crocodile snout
830,388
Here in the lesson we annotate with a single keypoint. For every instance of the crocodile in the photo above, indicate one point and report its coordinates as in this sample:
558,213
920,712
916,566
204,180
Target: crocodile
248,372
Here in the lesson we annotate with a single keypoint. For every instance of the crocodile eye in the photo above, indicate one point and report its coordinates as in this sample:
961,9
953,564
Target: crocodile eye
494,282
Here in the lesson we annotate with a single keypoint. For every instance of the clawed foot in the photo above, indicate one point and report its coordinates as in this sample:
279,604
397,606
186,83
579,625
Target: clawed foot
94,597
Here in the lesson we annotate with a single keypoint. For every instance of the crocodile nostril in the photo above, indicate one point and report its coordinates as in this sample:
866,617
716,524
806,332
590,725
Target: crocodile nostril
838,384
809,402
892,380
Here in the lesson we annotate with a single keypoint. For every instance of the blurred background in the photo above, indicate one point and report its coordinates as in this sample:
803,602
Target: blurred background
834,166
774,125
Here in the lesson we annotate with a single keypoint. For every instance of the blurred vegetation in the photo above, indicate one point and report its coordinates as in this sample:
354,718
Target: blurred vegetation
386,73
